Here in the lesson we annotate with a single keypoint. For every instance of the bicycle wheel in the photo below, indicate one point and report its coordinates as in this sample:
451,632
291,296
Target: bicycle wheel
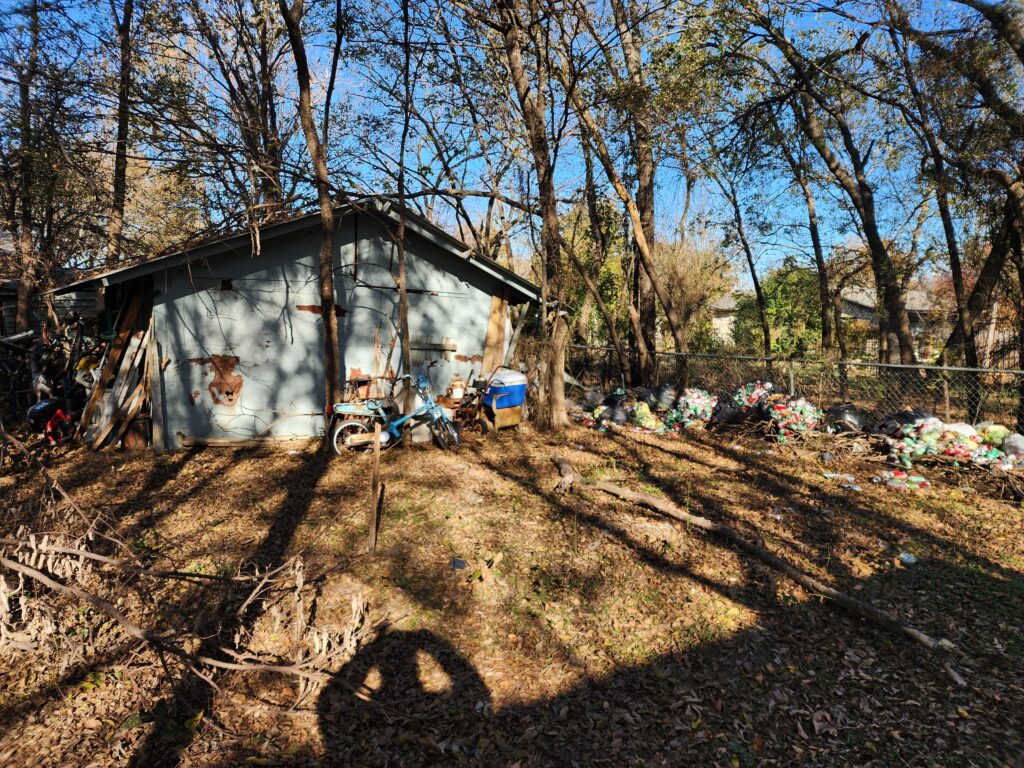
343,429
447,435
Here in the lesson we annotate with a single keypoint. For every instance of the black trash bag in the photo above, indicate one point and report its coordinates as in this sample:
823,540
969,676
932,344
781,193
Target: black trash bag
649,396
761,410
615,398
846,417
614,414
891,426
666,397
727,411
593,397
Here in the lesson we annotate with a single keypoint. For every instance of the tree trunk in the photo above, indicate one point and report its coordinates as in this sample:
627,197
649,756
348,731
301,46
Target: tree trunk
819,262
598,239
991,270
643,157
606,315
532,105
26,252
861,194
116,224
318,156
762,304
934,152
799,171
1018,260
403,288
597,143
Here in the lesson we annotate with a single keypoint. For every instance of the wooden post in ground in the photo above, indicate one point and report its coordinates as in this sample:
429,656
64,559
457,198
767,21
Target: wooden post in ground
154,389
376,500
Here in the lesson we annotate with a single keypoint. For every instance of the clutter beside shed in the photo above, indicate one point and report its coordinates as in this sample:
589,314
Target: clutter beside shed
505,398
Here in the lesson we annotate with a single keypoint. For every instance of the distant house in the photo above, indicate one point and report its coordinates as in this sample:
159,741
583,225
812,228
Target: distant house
923,311
723,317
240,332
929,319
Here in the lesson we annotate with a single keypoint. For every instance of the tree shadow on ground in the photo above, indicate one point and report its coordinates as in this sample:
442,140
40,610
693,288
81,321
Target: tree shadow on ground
806,685
192,696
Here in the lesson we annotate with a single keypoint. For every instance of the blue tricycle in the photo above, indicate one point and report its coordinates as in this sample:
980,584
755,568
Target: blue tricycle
351,425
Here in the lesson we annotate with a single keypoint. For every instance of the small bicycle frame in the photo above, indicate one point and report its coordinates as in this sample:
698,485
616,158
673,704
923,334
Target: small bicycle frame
350,423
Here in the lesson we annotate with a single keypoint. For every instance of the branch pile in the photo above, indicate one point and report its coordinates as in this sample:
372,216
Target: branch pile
70,586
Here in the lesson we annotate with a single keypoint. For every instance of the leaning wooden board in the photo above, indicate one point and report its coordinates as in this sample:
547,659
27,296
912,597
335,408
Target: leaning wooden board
113,398
128,410
134,405
111,358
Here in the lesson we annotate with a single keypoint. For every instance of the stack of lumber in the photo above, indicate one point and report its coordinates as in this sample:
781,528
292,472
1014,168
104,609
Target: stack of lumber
123,388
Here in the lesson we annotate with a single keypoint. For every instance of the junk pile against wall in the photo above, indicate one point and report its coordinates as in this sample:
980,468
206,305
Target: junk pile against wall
47,377
91,383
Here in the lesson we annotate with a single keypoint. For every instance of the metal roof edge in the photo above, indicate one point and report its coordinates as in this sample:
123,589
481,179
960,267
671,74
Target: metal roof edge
386,207
183,256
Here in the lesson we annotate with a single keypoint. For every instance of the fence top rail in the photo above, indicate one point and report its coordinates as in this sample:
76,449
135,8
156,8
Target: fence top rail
801,361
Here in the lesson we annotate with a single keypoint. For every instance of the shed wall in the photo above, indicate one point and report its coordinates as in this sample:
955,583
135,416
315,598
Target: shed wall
245,357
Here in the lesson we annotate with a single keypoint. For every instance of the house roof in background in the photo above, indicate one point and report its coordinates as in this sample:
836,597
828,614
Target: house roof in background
725,303
917,300
522,288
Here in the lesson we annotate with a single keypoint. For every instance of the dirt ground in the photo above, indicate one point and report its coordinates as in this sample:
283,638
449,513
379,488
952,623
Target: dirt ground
581,631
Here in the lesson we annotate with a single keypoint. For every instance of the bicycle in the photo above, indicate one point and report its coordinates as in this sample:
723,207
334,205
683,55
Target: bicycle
352,424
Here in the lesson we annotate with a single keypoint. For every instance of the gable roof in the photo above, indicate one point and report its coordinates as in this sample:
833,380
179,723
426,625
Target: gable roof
917,300
522,289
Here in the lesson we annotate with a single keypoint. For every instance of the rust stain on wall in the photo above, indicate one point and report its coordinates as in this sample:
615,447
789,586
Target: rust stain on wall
226,387
470,358
194,397
316,310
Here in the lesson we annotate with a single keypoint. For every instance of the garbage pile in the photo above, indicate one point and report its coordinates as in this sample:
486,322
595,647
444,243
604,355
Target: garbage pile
795,417
693,408
925,435
909,435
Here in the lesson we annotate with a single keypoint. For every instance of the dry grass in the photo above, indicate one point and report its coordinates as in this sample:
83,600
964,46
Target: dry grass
582,632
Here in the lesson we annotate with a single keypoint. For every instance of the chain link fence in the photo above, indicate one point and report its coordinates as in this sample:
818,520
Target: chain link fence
952,394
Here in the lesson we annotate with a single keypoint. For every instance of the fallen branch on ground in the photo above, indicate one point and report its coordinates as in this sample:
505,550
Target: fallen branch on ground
571,478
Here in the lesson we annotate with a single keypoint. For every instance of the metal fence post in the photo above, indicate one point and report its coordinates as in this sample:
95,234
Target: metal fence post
792,386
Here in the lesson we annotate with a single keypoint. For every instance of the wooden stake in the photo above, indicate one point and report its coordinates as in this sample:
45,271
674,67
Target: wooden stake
377,499
154,389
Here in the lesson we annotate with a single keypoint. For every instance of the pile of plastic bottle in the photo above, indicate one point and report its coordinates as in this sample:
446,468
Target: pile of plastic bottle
912,434
693,409
986,444
793,417
749,395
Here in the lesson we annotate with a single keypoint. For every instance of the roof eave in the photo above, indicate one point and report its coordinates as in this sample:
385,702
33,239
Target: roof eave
525,290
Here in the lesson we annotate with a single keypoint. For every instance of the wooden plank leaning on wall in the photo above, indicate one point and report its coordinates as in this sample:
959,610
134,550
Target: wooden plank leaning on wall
494,342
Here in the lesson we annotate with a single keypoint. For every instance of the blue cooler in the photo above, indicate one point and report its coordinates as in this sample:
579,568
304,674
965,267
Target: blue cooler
507,389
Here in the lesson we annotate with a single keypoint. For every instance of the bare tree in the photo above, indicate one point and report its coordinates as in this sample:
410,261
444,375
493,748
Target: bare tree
315,146
26,75
115,226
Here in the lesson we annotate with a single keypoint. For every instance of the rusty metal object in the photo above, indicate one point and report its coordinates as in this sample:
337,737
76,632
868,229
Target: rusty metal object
316,309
